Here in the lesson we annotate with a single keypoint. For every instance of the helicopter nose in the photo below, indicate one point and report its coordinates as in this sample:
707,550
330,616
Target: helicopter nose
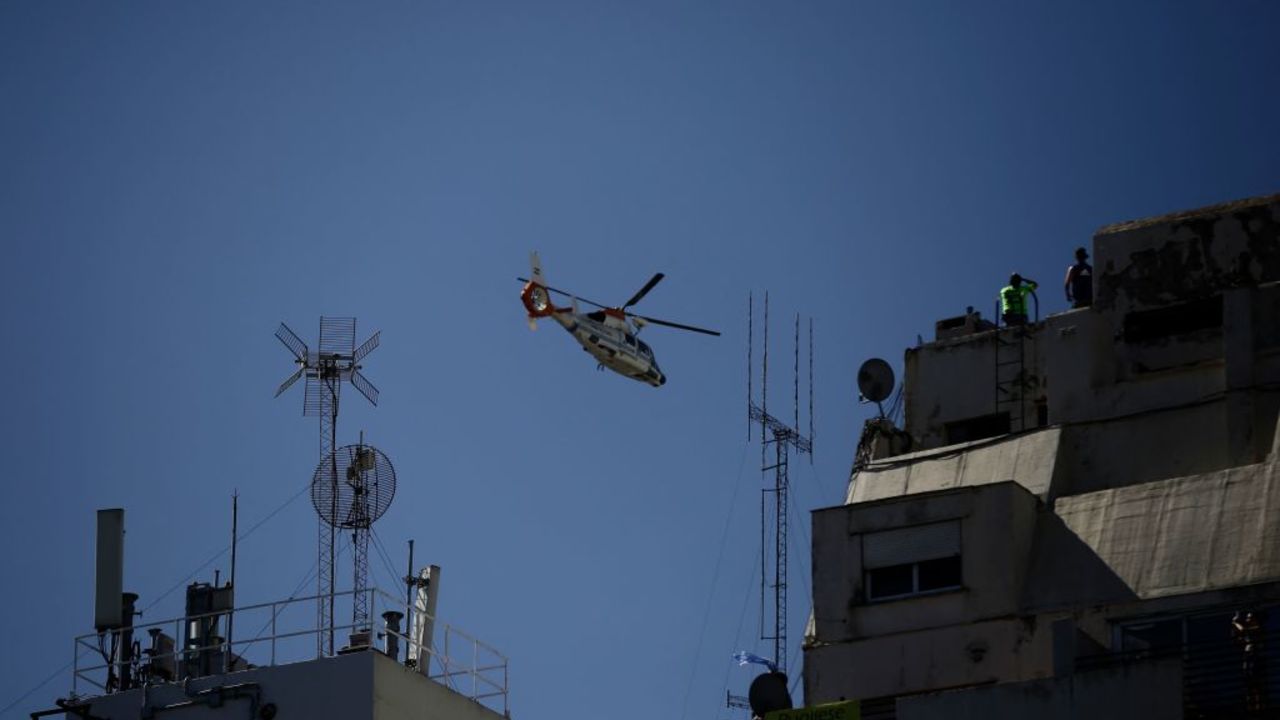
662,379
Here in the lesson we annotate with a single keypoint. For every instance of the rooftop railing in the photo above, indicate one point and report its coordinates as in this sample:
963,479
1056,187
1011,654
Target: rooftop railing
277,633
1222,679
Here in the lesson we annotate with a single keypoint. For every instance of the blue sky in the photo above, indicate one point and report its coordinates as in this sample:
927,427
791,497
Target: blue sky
177,178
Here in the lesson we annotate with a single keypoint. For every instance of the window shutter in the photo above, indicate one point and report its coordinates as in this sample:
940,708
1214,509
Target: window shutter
910,545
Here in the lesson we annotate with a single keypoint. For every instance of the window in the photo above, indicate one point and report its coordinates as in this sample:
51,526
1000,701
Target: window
912,561
922,578
940,574
891,581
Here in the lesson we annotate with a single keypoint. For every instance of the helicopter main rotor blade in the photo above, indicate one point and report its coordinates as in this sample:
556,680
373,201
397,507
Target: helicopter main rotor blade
677,326
657,278
568,294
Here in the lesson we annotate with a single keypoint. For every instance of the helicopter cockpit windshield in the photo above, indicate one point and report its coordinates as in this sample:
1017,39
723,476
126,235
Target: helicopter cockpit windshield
644,349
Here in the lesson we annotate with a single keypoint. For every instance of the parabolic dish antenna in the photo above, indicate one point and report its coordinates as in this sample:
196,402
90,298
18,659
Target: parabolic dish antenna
875,380
361,491
768,692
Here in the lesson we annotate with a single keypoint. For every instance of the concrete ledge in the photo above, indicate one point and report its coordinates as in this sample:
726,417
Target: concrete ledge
1027,458
1143,690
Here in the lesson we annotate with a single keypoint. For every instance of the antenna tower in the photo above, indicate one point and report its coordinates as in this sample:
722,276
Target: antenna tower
336,360
783,438
365,491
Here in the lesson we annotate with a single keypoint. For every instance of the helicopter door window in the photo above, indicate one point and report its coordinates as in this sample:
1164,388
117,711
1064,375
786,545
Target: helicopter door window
630,340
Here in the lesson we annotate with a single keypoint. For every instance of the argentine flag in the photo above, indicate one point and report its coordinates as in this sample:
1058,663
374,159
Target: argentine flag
743,657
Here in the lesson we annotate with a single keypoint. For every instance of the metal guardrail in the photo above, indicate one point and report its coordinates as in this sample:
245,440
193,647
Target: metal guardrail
455,659
1220,679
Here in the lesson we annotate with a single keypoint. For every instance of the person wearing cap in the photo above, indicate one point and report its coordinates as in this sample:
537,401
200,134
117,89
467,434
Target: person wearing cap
1013,299
1079,282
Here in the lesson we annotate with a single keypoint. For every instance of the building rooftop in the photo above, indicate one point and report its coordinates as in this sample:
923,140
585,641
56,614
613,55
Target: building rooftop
1074,511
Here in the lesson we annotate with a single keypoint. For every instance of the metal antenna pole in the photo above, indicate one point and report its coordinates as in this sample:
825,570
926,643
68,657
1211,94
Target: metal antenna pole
784,438
764,374
360,577
231,616
410,582
764,522
750,321
325,548
360,523
780,491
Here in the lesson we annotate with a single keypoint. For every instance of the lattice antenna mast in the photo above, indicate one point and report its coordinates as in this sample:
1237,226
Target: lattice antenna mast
773,515
336,360
363,495
361,524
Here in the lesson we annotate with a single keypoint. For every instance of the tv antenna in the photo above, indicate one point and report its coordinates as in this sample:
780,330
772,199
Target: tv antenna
783,437
337,359
364,492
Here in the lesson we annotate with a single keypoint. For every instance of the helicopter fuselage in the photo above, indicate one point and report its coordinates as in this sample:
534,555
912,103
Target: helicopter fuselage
612,343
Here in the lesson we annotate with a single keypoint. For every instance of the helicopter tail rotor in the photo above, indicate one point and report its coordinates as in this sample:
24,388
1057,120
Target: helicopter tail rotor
536,295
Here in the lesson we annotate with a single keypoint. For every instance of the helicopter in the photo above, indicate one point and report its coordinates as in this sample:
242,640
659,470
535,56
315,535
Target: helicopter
609,334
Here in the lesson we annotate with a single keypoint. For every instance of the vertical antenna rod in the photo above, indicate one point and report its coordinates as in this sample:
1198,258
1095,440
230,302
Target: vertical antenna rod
410,582
764,374
750,321
231,616
783,438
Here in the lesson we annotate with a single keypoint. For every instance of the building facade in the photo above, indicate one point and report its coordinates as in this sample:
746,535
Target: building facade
1078,515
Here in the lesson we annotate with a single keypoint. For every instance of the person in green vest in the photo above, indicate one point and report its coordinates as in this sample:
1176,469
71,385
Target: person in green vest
1013,299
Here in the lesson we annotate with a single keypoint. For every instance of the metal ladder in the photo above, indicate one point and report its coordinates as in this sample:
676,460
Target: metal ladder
1011,372
1011,367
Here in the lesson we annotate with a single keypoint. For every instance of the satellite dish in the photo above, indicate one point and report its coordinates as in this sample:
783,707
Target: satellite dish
768,692
875,380
360,492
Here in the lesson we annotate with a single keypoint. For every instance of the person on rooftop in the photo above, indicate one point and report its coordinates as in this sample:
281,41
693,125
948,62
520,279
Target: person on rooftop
1079,282
1013,299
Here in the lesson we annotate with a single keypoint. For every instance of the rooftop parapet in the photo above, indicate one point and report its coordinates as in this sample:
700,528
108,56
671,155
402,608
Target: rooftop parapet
1187,311
284,632
1187,255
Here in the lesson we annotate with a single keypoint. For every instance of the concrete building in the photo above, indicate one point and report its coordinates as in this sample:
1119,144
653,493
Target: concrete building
274,663
1075,511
